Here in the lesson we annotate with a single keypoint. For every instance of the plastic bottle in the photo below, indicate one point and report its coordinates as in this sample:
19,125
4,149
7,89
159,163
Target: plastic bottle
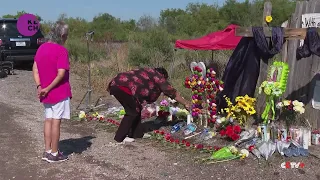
177,127
206,134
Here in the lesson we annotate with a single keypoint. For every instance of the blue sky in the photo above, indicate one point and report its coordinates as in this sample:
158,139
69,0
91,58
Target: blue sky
124,9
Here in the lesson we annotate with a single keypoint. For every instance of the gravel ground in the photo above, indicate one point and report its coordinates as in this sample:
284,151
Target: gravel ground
93,157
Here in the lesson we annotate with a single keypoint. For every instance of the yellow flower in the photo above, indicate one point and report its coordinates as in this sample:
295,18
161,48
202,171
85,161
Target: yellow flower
286,102
82,115
268,19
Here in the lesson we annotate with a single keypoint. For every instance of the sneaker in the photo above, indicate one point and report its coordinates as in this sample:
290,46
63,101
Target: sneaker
129,140
58,158
45,156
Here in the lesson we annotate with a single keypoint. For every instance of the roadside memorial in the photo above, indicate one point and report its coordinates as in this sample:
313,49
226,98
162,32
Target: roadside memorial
229,134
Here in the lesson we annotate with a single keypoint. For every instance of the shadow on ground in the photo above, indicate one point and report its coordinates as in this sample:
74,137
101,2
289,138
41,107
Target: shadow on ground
150,126
78,145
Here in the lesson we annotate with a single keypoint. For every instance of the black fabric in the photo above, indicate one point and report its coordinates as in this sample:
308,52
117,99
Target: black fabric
311,44
242,71
3,73
131,123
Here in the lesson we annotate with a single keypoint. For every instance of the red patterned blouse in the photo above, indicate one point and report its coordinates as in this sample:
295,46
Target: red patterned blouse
146,84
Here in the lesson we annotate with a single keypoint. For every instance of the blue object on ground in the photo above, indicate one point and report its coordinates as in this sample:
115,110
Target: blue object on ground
287,152
177,127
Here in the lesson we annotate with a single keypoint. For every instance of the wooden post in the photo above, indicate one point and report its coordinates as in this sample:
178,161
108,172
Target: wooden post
261,100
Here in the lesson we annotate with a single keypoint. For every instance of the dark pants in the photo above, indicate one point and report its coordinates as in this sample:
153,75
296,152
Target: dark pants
131,123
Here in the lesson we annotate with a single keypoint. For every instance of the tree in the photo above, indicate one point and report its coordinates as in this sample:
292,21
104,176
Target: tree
19,13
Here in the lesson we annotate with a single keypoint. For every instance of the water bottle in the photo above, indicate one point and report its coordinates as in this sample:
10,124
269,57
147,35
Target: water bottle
206,134
177,127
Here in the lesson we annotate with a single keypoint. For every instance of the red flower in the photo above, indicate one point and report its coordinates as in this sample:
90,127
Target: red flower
171,140
183,141
188,144
101,118
251,148
116,123
237,129
162,132
167,138
235,137
222,132
216,148
229,132
199,146
229,127
209,147
156,131
177,141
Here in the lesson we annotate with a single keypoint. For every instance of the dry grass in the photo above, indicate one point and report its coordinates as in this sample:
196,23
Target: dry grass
104,69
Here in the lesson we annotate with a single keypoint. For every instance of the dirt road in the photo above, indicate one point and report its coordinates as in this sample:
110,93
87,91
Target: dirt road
93,158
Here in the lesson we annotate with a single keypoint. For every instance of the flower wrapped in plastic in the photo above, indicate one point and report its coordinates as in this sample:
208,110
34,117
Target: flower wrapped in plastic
274,87
228,153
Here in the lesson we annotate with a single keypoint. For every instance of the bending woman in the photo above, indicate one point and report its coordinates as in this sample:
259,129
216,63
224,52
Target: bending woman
134,87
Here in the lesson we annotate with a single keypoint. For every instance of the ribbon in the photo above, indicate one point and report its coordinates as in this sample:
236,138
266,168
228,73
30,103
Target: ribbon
270,105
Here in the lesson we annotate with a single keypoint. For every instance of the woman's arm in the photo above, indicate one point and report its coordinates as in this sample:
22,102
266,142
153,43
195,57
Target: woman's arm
169,91
57,80
36,74
181,100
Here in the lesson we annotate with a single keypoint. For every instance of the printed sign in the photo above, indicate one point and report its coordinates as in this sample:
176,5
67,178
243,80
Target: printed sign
28,25
310,20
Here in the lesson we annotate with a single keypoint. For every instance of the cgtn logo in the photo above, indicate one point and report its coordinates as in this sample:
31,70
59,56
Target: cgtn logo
292,165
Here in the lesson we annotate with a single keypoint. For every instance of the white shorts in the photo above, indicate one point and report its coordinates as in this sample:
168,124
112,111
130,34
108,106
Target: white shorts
61,110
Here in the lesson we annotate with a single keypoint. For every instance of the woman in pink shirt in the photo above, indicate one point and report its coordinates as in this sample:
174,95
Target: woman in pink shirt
51,74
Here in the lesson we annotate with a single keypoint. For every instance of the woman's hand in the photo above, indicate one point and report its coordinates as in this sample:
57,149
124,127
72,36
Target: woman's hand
187,106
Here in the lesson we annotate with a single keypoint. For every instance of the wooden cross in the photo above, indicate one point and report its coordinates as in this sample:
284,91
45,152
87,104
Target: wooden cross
289,33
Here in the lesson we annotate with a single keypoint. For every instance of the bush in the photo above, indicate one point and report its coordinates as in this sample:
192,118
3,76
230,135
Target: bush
151,47
78,50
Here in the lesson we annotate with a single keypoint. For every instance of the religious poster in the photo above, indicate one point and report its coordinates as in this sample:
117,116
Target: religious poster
310,20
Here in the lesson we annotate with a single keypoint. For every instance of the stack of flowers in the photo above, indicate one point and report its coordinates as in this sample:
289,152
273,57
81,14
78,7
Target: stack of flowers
196,83
93,117
290,110
213,86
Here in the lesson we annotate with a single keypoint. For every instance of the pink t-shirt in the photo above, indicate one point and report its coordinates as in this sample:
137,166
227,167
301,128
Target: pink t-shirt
49,58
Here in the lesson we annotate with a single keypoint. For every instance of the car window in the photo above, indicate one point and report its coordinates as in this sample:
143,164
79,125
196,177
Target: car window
10,28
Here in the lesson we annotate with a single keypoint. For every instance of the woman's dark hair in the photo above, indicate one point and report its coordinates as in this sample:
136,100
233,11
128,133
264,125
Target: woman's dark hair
162,71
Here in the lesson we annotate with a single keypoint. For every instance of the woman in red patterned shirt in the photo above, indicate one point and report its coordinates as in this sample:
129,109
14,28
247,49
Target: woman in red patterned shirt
134,87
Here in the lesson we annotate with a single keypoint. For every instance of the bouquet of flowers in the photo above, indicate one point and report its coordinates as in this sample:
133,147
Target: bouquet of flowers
242,109
164,109
290,110
231,131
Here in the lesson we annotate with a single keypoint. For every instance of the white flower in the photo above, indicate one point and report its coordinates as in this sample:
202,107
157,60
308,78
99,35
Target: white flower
244,153
220,88
233,149
297,103
199,82
82,115
214,104
279,105
218,121
299,109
